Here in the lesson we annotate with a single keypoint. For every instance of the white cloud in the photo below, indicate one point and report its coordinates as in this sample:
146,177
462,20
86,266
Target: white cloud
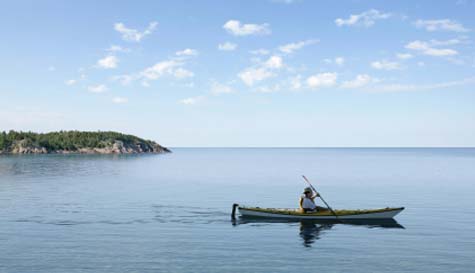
145,84
70,82
295,82
133,35
191,100
360,81
159,69
82,75
274,62
235,27
404,56
365,19
290,48
385,65
120,100
443,24
263,71
181,73
260,51
457,61
322,80
417,45
227,46
189,85
108,62
219,88
427,49
187,52
445,43
252,75
116,48
124,79
100,88
420,87
268,89
171,67
339,60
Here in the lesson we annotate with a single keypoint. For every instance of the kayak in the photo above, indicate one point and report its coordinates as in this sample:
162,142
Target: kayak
298,214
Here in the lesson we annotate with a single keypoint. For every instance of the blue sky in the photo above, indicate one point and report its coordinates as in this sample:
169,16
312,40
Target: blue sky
243,73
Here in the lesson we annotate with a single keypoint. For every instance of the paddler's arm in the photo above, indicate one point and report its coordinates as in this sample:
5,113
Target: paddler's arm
315,195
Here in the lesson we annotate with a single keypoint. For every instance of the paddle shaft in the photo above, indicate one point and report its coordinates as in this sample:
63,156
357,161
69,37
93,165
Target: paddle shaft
319,195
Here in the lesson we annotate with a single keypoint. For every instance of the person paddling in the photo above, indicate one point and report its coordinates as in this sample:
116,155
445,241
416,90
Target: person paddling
307,201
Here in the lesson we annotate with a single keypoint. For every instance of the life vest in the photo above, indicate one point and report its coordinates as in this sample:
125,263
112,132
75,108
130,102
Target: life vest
302,198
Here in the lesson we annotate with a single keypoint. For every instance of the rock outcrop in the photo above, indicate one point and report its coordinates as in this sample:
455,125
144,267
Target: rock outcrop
25,147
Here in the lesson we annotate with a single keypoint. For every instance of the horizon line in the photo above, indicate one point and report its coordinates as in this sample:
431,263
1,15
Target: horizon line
321,147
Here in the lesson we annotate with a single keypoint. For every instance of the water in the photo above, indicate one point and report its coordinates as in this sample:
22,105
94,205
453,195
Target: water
171,213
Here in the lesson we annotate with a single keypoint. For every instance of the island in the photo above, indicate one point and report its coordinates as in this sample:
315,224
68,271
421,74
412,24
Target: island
80,142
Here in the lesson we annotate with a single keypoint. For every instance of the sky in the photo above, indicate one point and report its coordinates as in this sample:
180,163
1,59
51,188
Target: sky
263,73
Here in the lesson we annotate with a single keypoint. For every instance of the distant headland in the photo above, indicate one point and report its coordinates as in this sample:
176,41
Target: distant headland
76,142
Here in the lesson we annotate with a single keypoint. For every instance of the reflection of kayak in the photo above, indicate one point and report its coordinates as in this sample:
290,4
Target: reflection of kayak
312,230
385,213
369,223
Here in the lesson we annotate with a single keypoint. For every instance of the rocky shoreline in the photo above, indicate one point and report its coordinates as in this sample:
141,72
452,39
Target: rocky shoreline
117,147
107,146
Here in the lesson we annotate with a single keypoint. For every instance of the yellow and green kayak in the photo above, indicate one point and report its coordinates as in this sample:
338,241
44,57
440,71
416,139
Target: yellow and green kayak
298,214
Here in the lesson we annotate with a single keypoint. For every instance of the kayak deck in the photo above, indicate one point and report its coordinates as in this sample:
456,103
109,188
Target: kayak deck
383,213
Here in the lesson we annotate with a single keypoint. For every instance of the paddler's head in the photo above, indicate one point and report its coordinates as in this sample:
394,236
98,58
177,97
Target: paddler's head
307,191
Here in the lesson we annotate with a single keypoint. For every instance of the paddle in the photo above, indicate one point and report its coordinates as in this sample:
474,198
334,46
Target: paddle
319,195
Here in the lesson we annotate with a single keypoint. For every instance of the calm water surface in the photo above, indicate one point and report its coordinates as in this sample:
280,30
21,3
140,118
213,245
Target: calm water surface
171,213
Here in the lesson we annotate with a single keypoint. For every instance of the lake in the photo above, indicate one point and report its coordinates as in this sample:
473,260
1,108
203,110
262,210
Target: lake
171,212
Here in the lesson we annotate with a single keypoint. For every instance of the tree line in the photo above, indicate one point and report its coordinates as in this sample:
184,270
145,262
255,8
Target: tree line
70,140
